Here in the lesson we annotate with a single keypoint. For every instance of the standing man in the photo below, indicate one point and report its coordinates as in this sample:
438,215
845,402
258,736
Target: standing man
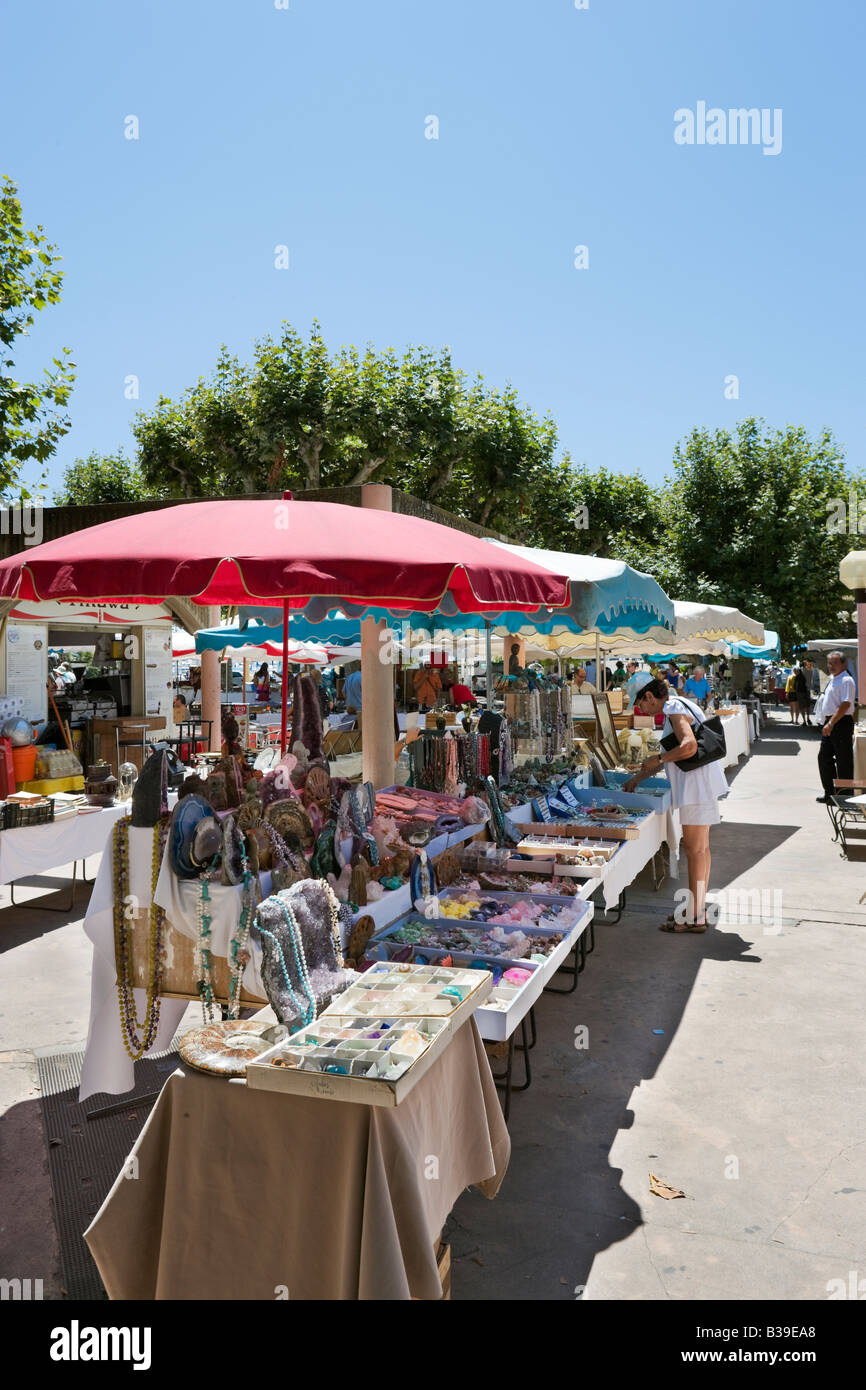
582,686
698,687
352,691
633,684
836,754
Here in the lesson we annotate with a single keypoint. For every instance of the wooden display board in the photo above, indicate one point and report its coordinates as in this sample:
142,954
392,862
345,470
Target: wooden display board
179,975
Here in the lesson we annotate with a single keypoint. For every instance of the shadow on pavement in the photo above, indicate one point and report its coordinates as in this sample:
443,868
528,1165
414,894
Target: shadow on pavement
562,1202
18,924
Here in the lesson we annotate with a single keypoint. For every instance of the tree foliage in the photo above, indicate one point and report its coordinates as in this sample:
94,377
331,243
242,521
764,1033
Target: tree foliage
744,521
102,478
32,414
300,416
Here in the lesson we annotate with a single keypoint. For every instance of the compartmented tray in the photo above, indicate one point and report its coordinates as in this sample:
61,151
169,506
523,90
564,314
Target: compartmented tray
538,864
569,846
373,1044
550,901
508,1003
571,904
576,830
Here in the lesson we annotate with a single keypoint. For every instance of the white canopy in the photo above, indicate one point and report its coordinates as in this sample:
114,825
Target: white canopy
702,629
715,622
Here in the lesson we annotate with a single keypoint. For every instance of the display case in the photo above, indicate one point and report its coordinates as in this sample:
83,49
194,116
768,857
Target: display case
375,1041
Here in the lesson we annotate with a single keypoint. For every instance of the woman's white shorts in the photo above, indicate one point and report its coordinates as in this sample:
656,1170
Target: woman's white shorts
702,813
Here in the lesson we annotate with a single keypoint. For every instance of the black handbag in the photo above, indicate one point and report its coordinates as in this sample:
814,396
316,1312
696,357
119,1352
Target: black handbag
709,736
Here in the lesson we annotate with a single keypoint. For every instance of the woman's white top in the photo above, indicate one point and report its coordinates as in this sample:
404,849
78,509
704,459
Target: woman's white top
702,783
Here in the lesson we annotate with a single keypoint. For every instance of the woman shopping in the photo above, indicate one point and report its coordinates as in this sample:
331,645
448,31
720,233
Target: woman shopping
695,792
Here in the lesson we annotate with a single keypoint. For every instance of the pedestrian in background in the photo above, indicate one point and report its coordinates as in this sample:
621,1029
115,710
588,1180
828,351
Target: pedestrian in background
803,694
836,754
698,687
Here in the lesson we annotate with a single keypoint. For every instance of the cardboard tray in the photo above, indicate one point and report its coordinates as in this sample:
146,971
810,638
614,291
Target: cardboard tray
550,866
571,830
262,1075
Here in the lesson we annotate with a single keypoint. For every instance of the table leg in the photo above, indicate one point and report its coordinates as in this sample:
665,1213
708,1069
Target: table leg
573,970
38,905
612,921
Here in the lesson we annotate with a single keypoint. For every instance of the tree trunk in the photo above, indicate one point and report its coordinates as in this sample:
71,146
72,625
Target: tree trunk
486,510
442,480
366,471
311,452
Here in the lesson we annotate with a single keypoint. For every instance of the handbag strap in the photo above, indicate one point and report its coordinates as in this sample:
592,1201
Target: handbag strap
694,709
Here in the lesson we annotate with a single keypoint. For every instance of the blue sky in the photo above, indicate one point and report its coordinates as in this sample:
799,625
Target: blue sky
306,127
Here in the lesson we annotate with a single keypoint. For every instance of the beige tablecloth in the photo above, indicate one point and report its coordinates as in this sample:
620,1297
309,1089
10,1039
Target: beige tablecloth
241,1193
860,756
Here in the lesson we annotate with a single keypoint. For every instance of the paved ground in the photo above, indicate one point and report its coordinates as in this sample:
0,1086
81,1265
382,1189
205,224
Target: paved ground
748,1099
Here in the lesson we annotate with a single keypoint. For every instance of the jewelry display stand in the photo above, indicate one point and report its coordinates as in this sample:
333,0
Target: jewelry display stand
180,973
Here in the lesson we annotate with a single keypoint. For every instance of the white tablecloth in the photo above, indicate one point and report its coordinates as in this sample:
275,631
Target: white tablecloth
34,849
737,740
107,1067
634,855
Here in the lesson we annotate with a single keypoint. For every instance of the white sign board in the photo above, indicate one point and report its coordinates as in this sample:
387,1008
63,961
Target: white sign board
157,672
27,668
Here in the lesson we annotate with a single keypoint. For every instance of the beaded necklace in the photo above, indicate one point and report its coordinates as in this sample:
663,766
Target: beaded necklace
334,904
203,958
294,998
123,912
300,960
238,953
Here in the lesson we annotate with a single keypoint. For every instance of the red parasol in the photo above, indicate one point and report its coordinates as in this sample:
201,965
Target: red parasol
229,552
237,552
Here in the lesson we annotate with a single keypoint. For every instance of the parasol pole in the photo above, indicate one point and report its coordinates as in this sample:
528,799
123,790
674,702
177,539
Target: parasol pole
285,692
488,655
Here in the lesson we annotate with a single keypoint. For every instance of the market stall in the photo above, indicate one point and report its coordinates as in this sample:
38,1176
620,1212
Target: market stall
74,836
314,1201
118,656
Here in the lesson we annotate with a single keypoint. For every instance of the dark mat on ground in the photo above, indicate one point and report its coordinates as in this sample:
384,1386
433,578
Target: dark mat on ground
86,1155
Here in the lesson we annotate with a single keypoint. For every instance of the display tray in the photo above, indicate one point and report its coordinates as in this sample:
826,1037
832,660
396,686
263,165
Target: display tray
508,1003
537,865
550,900
405,1000
654,796
440,925
476,923
574,830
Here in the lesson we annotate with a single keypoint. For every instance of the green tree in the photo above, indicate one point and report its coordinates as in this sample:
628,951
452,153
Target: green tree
101,478
745,520
301,416
32,414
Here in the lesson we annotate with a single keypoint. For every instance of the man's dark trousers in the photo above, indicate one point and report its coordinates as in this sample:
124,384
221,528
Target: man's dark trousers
836,754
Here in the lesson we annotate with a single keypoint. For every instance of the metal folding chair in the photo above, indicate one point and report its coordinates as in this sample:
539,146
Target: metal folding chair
848,821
